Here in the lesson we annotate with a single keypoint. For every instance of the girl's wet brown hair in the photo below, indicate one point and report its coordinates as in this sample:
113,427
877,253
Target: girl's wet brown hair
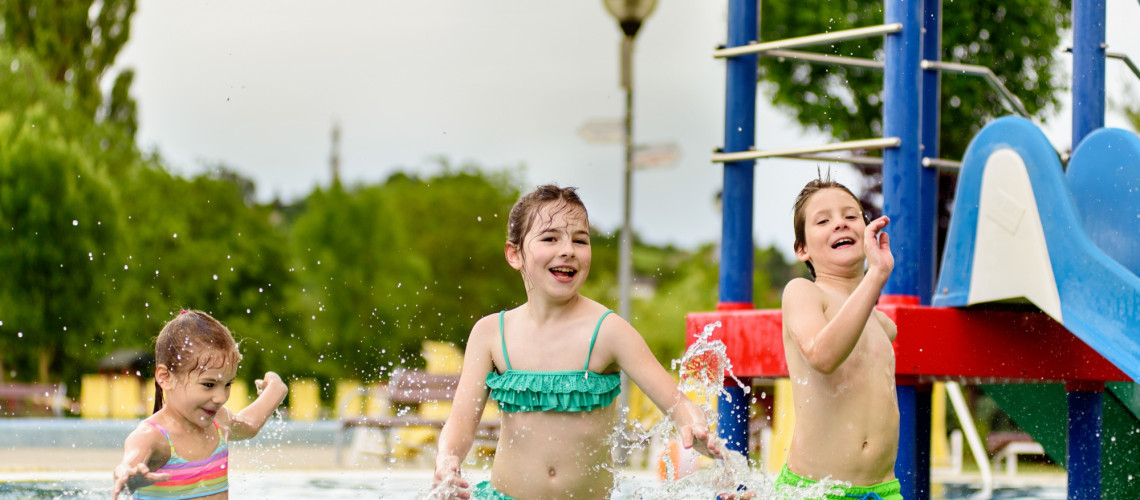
799,218
193,341
524,215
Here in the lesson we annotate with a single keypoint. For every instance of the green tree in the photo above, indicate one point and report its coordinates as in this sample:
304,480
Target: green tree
59,219
688,282
77,41
197,243
382,268
846,103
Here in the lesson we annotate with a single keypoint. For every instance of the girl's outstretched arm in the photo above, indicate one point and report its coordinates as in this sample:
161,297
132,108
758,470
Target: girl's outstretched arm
249,421
458,433
638,362
138,450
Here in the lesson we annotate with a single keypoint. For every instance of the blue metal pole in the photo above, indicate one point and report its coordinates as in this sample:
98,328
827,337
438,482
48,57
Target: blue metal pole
916,456
912,467
926,212
736,228
733,418
1088,67
903,174
909,200
1086,403
1083,463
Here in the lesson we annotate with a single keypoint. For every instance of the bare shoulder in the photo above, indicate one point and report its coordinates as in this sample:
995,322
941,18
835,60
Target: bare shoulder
147,437
224,419
801,291
485,330
888,324
613,326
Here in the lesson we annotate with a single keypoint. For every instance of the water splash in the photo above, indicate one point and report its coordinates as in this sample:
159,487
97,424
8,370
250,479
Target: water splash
703,367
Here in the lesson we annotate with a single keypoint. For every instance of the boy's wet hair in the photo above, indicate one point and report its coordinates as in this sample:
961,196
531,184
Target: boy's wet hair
799,219
524,215
190,342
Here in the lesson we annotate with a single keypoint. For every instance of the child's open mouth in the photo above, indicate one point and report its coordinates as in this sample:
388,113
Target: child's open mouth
564,273
843,243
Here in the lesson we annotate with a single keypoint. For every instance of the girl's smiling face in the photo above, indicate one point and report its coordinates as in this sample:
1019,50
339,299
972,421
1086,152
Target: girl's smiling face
197,396
555,254
833,231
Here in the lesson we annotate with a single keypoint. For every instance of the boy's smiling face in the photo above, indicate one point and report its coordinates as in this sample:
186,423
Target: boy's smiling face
833,232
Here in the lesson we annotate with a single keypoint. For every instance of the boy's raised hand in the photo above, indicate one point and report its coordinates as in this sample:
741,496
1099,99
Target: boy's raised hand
877,246
134,477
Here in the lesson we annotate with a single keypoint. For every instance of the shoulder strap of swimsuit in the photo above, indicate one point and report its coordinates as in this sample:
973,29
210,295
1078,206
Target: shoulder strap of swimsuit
164,433
595,337
221,436
503,337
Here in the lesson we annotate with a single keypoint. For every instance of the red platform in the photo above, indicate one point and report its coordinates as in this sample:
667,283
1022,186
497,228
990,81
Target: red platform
933,343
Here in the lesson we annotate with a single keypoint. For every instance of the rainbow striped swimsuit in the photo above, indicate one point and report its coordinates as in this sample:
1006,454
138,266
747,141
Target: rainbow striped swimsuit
190,479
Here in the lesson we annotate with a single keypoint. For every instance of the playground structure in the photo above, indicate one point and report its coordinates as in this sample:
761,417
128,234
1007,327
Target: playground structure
1023,230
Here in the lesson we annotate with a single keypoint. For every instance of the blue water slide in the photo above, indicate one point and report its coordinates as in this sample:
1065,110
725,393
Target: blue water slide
1017,235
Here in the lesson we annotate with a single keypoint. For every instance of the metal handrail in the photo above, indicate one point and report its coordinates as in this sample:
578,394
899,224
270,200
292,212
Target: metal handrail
940,163
810,40
858,62
991,78
881,143
1127,61
857,160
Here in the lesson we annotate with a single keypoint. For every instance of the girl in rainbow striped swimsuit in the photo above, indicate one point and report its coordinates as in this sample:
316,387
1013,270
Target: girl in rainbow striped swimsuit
182,450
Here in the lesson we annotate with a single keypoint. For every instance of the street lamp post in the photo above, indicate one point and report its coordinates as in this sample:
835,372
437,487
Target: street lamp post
630,14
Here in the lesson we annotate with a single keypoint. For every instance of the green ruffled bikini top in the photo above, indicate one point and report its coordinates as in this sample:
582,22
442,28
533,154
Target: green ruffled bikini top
569,390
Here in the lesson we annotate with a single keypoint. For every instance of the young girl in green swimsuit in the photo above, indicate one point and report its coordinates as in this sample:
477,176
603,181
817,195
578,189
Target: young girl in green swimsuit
553,366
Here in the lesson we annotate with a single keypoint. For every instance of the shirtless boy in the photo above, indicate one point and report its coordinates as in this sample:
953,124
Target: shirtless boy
838,348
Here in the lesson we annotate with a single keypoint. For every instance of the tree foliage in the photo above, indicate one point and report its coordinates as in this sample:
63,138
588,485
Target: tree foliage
59,220
381,268
1017,40
77,41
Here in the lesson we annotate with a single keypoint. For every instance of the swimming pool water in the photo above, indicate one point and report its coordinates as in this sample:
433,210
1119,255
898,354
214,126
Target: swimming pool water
412,485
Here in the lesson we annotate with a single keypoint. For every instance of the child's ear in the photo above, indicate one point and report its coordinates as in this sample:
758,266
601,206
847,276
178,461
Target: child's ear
163,377
801,254
514,256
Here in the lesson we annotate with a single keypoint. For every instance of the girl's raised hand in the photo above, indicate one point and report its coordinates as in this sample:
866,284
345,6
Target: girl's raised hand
270,379
698,438
134,477
877,246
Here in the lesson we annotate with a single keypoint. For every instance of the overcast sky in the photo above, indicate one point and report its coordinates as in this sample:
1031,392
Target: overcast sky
258,84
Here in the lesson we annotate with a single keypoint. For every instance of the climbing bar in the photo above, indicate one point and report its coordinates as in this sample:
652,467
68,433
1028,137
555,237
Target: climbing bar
991,78
941,163
1124,57
824,58
858,160
810,40
881,143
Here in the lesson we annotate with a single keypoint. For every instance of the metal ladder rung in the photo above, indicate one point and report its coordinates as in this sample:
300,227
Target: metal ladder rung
881,143
810,40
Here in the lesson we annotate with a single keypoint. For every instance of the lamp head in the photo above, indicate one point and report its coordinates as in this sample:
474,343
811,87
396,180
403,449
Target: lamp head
630,13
